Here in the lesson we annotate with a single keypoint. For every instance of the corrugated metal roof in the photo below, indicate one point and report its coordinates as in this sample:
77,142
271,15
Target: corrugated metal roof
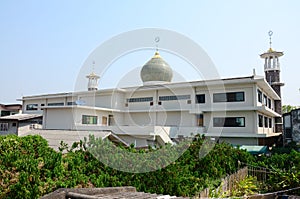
20,117
54,137
107,193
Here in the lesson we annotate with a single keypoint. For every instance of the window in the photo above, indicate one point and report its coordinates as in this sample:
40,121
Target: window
140,99
266,122
260,121
5,113
259,95
269,103
32,107
151,103
200,98
14,124
229,97
270,122
200,120
229,122
104,120
71,103
56,104
88,119
159,103
174,97
265,100
42,104
3,126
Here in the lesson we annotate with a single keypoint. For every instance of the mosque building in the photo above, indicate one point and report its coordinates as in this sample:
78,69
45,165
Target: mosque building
239,110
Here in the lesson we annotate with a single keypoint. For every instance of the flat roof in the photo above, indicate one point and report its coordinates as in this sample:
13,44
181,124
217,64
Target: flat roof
254,79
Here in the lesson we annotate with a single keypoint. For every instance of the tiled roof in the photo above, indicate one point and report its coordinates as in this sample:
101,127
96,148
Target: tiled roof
105,193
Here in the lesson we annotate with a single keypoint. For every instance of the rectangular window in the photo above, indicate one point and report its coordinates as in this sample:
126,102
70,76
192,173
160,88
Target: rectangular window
259,95
174,97
200,98
3,126
71,103
229,97
89,119
14,124
229,122
5,113
104,120
265,100
200,120
140,99
260,121
56,104
270,122
32,107
269,103
266,122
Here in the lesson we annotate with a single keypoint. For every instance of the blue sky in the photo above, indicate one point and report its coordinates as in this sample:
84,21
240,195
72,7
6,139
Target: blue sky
45,43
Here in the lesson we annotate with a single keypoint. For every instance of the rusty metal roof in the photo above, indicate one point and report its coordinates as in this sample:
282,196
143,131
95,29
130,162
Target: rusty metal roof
105,193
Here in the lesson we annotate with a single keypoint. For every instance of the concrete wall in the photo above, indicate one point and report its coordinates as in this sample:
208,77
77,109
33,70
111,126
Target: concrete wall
250,121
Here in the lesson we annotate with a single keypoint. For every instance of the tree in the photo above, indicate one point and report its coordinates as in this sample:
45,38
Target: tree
288,108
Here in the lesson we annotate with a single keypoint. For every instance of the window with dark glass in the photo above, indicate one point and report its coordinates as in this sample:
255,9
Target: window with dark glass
260,121
266,122
3,126
229,97
269,103
200,98
32,107
229,122
270,122
259,95
56,104
71,103
265,100
89,119
174,97
140,99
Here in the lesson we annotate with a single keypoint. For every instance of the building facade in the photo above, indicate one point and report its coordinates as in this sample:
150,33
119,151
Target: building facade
241,111
10,109
291,126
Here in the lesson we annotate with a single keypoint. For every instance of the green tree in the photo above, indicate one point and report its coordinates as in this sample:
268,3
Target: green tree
288,108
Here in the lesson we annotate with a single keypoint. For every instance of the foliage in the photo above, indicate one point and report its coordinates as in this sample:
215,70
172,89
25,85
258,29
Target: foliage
284,170
288,108
29,168
246,187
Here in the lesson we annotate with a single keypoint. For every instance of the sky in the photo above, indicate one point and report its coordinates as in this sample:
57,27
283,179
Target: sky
44,44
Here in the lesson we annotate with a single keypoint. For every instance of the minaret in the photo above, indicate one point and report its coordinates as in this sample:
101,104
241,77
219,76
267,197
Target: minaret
93,80
272,75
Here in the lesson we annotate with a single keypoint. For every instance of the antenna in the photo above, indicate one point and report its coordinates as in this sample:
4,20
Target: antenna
270,33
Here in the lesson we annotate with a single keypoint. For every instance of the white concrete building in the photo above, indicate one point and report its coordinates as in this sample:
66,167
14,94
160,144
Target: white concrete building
236,110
